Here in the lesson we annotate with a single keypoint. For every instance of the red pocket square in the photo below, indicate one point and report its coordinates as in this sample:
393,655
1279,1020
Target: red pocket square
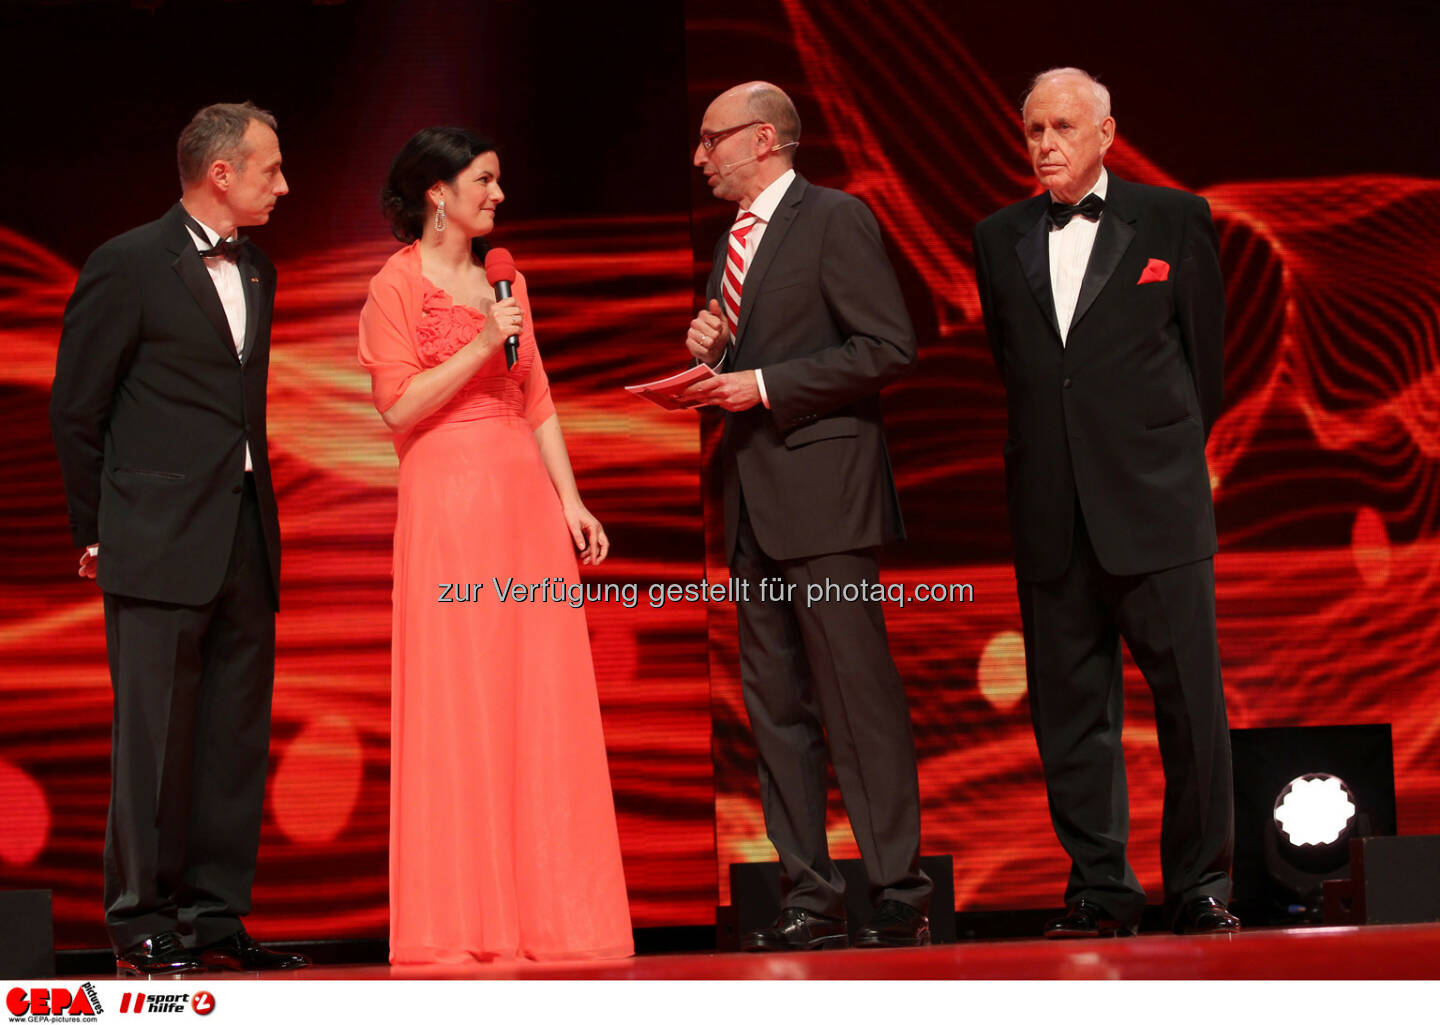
1155,270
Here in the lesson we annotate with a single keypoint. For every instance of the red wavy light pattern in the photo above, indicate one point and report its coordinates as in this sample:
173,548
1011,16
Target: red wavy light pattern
1324,467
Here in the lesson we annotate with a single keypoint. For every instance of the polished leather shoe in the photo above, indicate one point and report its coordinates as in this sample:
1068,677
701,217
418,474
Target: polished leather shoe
1205,914
1084,919
240,953
161,954
896,924
797,929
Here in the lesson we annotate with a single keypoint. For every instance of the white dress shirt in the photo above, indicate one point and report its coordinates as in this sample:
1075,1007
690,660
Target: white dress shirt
1069,254
226,275
764,209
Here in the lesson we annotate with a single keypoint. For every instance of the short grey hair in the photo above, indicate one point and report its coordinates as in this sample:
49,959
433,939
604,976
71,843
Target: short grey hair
1100,94
217,132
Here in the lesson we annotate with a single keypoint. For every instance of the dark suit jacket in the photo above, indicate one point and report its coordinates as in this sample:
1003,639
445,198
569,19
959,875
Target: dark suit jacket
821,313
151,410
1119,416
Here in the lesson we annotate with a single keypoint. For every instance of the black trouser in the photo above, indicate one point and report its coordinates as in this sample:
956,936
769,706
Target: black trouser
809,674
190,745
1073,627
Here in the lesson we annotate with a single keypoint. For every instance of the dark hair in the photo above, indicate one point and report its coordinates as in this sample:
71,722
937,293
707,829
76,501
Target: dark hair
217,132
432,155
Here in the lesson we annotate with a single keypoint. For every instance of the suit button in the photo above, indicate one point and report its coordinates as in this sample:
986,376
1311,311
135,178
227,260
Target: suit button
1067,382
236,489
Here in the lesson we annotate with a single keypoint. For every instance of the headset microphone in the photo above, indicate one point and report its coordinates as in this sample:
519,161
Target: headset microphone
727,168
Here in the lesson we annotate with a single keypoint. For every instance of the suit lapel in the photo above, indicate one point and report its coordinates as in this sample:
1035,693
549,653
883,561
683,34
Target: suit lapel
1033,250
191,269
250,279
770,242
1112,238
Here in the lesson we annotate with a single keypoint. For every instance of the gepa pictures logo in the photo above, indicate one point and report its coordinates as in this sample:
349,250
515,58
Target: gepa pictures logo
53,1003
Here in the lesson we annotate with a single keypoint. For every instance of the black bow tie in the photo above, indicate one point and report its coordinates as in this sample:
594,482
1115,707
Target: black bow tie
1090,208
226,249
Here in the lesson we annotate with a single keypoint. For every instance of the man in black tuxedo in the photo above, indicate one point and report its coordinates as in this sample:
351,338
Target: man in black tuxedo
1105,310
158,415
806,315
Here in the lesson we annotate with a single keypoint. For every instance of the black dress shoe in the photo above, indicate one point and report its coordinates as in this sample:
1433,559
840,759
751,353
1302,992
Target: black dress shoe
161,954
1083,919
797,929
896,924
240,953
1205,914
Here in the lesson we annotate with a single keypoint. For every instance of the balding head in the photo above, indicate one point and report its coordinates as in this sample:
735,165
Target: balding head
768,103
747,140
1095,93
1068,130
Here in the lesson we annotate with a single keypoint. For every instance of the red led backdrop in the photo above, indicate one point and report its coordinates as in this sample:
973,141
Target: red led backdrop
1324,462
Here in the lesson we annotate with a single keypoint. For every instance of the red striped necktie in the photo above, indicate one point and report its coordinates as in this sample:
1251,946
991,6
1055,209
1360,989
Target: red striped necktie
734,279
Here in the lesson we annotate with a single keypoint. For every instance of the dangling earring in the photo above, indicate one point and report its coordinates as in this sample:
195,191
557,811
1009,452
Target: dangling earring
440,216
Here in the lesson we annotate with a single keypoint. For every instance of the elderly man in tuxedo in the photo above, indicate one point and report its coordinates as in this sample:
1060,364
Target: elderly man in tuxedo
158,415
1105,310
806,322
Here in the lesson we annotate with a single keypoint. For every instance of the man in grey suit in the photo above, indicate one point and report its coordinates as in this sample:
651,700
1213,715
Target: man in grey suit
806,321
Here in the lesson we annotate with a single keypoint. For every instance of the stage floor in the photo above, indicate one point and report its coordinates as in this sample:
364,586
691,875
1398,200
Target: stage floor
1348,952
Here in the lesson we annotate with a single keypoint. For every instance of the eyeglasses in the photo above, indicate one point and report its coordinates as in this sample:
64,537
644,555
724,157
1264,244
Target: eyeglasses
710,139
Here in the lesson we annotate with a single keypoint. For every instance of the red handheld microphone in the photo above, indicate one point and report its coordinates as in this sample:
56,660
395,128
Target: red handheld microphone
500,269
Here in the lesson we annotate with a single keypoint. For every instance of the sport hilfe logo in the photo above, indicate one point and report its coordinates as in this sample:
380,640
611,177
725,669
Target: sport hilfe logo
53,1002
203,1002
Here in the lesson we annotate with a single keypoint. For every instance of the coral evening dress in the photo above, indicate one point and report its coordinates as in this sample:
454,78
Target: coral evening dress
502,825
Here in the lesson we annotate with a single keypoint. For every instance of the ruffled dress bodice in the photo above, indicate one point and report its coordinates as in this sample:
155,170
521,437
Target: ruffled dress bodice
445,327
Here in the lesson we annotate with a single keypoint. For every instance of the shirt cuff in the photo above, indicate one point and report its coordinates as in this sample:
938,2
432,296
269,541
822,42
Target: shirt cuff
760,380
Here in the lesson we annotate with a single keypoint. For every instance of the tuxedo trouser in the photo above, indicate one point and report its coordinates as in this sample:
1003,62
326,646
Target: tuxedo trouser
189,750
818,673
1073,626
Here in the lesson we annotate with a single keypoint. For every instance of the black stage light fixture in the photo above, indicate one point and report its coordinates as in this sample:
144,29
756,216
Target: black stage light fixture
1302,793
1309,839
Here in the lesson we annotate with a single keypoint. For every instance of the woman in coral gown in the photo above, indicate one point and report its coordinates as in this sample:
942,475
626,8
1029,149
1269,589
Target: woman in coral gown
502,825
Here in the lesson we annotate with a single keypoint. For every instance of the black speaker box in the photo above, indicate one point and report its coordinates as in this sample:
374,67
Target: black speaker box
755,898
1393,879
27,935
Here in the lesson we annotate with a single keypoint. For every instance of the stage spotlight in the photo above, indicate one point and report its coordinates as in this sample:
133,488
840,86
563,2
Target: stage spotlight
1302,793
1313,820
1315,810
